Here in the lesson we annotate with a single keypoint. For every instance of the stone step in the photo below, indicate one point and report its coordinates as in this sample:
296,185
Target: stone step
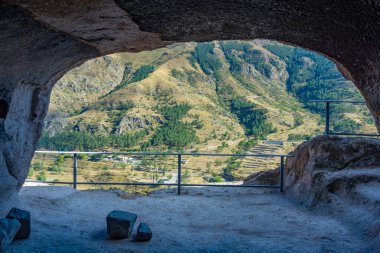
120,224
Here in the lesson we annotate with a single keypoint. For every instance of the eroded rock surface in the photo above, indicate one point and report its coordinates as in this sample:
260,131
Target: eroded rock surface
134,122
340,175
333,165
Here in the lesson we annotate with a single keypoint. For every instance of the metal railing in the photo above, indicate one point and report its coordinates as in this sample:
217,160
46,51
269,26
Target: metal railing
327,118
179,183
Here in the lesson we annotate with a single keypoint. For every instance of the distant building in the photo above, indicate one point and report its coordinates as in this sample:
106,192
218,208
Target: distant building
126,158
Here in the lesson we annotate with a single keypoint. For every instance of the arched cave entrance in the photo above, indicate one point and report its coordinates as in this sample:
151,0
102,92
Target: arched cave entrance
43,40
192,69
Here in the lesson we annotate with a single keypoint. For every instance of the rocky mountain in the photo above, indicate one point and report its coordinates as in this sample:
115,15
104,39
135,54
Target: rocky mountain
198,95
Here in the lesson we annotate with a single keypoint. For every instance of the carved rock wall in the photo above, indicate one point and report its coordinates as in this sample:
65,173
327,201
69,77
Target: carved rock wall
340,176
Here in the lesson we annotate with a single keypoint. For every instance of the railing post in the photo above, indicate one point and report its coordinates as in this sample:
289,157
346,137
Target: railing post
327,126
282,174
75,171
179,174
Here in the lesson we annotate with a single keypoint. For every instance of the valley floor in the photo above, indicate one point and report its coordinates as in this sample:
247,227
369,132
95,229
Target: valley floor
200,220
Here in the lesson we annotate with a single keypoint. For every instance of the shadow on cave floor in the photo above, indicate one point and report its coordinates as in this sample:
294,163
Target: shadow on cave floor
203,219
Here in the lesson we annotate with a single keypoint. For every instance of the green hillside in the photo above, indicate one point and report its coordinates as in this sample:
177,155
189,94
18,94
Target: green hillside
198,96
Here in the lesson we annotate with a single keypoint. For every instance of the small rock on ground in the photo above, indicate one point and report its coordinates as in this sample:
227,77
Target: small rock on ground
144,233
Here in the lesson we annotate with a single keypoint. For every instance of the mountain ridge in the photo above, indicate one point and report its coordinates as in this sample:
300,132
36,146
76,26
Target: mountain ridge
271,83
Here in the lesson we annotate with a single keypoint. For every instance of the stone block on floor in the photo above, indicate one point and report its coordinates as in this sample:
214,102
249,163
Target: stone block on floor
120,224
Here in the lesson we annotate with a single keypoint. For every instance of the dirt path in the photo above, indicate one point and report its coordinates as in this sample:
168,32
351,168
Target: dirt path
201,220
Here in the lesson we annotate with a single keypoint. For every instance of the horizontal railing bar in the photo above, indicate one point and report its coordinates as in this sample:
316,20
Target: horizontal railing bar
337,101
354,134
155,184
101,183
158,154
126,184
232,185
47,182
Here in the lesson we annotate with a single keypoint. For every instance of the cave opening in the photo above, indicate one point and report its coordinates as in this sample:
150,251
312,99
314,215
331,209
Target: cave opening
41,40
222,96
4,108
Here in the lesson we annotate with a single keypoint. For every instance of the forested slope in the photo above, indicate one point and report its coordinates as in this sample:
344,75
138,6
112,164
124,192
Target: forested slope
198,96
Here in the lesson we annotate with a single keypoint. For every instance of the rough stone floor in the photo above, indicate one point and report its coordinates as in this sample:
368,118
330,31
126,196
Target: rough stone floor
200,220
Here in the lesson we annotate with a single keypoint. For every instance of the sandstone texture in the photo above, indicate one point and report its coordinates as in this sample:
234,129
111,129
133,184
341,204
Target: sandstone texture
41,40
340,176
328,166
205,219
